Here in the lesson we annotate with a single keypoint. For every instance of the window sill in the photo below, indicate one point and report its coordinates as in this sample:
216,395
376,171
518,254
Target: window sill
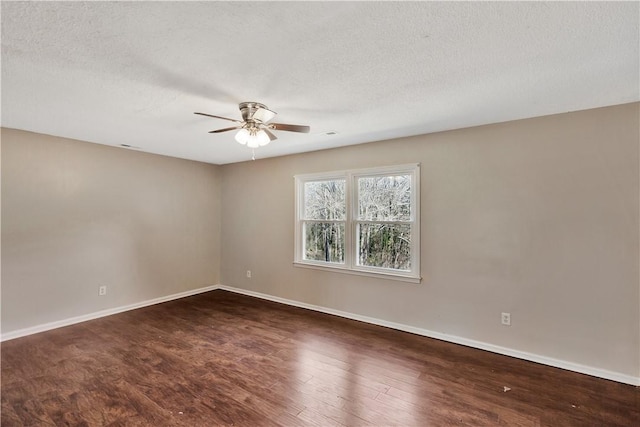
388,276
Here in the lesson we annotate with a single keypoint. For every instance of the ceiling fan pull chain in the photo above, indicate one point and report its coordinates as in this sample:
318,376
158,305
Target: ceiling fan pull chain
253,154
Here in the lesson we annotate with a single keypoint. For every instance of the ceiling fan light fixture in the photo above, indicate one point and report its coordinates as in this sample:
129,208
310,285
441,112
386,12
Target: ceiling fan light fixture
263,138
243,136
253,137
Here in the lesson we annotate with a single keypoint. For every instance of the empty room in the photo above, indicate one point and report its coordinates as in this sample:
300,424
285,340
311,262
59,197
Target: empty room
320,214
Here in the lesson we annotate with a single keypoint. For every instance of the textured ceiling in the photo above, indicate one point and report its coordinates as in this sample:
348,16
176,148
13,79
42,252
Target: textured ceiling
134,72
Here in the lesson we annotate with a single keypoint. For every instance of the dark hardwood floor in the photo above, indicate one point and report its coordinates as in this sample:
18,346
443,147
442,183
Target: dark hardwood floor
225,359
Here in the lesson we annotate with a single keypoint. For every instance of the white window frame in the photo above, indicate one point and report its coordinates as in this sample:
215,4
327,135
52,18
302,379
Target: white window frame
350,265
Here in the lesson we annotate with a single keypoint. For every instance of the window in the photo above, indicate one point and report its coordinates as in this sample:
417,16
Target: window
363,221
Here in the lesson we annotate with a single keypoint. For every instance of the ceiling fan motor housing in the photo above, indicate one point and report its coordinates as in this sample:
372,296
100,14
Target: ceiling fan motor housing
248,109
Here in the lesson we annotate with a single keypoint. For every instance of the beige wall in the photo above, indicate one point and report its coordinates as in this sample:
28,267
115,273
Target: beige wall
76,216
537,217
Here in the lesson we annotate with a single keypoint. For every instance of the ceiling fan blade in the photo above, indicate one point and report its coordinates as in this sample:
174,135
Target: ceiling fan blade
225,129
289,128
263,115
219,117
270,134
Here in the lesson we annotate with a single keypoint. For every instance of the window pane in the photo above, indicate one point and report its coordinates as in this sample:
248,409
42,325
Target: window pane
324,199
324,241
384,198
385,245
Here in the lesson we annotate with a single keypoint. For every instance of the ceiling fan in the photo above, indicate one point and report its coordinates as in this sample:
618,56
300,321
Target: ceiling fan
254,128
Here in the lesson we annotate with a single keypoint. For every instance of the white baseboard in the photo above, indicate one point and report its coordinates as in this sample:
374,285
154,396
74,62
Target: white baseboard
563,364
108,312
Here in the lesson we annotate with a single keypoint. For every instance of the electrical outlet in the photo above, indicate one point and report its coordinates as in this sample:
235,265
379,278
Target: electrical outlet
102,290
506,319
248,274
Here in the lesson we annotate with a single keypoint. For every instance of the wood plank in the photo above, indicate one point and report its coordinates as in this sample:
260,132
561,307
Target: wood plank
225,359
